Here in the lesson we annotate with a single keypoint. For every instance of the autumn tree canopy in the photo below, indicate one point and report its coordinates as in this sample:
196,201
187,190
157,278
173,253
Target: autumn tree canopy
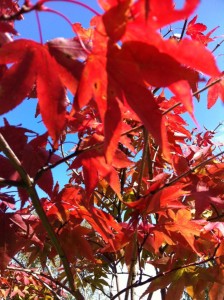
143,189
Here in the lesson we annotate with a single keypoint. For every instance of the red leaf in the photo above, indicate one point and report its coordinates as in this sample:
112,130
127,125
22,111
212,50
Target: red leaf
115,19
183,228
51,96
96,168
21,76
101,221
15,234
157,16
69,67
215,91
7,171
9,7
107,4
15,137
35,156
33,64
180,164
187,51
168,197
194,28
219,226
74,242
6,201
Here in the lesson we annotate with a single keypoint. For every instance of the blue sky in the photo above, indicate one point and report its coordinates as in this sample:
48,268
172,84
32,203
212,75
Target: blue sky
209,12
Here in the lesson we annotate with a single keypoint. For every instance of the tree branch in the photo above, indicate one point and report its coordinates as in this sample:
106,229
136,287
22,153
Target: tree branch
9,182
31,190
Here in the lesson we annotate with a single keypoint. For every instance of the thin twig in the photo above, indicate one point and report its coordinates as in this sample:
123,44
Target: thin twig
137,284
217,46
183,30
194,94
191,170
144,156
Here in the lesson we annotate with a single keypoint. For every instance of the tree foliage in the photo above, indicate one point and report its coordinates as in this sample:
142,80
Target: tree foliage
142,189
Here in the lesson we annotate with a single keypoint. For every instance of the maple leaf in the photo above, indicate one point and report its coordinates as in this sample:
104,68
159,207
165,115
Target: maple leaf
74,242
35,156
205,198
7,171
123,86
100,221
33,64
159,283
108,4
128,71
17,139
215,91
167,197
183,228
217,289
195,30
95,168
157,12
15,136
15,234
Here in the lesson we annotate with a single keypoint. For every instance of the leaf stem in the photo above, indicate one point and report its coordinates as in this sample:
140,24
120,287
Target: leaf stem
77,3
39,26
